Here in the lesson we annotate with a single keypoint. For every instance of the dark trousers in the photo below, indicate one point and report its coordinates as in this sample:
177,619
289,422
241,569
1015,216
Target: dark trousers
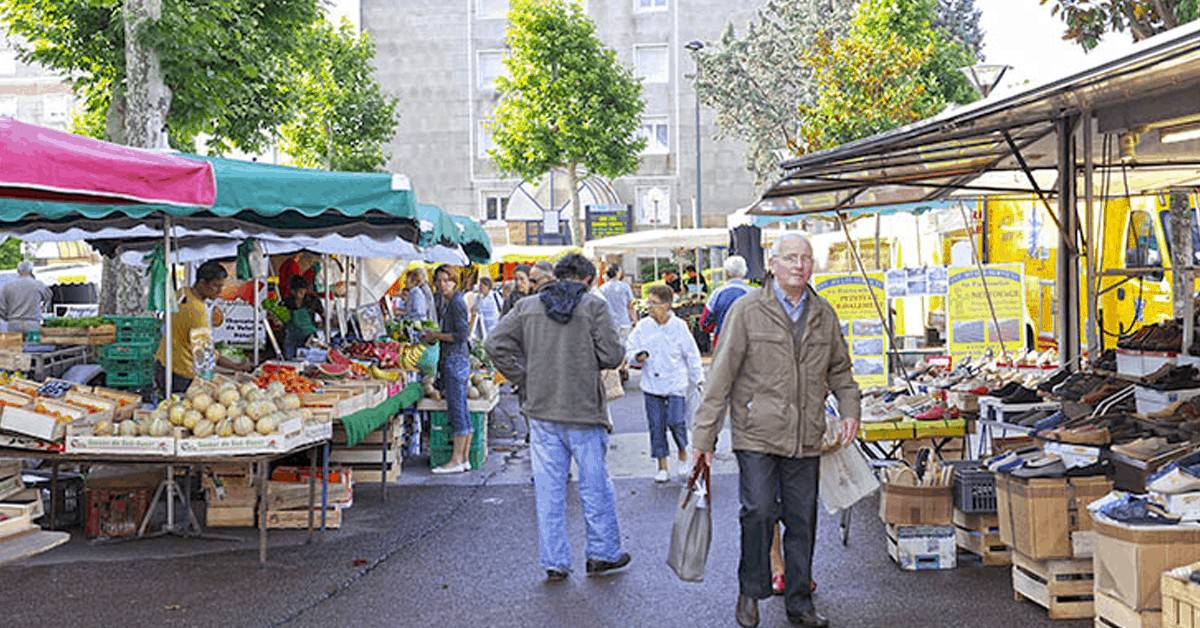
772,488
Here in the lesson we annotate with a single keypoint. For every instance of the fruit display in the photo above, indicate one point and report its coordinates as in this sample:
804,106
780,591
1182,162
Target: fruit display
482,387
287,377
54,388
406,331
388,355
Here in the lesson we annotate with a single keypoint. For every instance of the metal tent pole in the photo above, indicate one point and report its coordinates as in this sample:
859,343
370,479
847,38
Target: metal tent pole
1068,253
328,304
168,367
1094,343
257,313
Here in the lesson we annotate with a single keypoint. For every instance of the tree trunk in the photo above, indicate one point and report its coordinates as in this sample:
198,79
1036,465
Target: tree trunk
577,227
137,116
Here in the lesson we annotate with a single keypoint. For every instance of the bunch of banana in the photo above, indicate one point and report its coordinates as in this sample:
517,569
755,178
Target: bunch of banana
410,355
379,373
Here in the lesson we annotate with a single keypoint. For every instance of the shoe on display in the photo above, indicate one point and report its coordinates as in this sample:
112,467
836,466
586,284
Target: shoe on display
1021,395
935,413
1143,448
1048,466
1174,481
1005,390
662,477
1050,422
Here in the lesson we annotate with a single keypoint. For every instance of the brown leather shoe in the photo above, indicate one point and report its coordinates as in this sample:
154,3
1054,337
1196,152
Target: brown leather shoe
747,611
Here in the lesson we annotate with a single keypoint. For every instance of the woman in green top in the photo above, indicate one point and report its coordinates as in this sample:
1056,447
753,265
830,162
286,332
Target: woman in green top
301,326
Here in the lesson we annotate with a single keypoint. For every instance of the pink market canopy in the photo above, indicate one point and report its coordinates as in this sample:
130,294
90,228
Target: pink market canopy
45,164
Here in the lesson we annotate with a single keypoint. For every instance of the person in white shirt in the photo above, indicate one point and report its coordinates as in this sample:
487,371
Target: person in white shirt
620,299
22,300
485,309
663,346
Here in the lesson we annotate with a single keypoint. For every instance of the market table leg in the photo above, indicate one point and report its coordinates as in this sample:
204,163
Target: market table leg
312,489
54,496
387,436
262,512
324,483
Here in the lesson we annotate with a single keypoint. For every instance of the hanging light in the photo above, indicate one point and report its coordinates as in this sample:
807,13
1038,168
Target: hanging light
985,76
1179,133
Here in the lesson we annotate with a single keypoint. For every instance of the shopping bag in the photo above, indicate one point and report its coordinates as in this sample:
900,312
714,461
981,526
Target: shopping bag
691,404
845,478
691,533
613,388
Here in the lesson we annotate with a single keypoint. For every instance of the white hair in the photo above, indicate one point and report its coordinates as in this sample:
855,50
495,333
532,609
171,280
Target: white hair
25,267
787,237
735,267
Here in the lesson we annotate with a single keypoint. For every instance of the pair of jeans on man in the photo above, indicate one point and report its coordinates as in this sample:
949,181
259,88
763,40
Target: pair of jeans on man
552,446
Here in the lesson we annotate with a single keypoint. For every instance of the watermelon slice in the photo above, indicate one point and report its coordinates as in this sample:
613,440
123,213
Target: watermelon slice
335,357
334,370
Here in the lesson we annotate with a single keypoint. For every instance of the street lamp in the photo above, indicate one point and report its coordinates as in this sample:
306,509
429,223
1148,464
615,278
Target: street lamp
695,46
985,76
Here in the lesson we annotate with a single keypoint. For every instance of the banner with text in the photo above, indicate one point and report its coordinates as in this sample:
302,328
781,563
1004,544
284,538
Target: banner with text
864,332
233,322
969,320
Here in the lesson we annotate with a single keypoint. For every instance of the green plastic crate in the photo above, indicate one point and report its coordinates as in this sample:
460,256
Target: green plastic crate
137,328
129,377
439,429
140,351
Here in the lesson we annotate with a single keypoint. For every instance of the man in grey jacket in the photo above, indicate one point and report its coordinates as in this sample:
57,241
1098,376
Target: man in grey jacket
553,348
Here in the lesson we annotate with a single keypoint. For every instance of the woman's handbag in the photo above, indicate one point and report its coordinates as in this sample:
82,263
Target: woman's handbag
691,533
613,388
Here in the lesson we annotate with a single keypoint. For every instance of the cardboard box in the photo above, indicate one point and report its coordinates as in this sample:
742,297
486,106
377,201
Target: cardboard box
1150,400
289,435
1180,598
923,548
1186,505
1037,516
1130,560
80,439
920,505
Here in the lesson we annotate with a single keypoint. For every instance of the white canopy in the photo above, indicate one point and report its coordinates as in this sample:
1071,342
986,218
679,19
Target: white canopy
658,239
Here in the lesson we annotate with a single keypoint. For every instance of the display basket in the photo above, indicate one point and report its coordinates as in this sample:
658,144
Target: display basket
974,488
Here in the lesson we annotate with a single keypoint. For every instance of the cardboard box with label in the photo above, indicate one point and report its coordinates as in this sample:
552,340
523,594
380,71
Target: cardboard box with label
1130,560
922,548
1038,516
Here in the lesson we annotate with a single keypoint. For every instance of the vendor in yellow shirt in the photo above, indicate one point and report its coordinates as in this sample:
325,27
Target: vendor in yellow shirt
192,314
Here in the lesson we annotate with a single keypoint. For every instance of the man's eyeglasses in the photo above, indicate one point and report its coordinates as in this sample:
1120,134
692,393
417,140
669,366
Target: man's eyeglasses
795,259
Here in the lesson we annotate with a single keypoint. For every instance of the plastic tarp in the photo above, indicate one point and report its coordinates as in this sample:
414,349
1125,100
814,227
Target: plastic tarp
657,239
55,165
473,239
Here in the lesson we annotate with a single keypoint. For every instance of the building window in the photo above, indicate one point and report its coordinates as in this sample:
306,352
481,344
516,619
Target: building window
486,142
652,63
495,207
56,107
8,62
657,134
642,6
653,206
491,66
492,9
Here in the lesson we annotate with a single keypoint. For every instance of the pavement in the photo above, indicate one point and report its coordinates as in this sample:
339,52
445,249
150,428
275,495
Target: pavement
461,551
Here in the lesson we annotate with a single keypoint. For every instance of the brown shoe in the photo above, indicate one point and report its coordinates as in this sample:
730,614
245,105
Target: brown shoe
809,617
747,611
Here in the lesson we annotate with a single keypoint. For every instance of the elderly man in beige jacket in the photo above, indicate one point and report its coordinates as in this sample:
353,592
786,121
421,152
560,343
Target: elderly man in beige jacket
781,353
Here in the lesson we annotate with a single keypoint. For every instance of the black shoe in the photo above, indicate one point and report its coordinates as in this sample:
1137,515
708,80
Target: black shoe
1004,390
1022,395
809,617
556,575
600,566
747,611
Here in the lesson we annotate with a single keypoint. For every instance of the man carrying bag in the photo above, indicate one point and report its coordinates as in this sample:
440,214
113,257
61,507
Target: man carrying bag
691,534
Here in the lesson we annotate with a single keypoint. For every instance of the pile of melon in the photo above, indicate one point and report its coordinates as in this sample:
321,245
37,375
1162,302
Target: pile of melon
227,410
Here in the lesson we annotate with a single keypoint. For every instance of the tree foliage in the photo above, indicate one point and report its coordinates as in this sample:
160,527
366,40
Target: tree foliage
808,74
755,80
339,106
10,253
567,102
238,70
1087,21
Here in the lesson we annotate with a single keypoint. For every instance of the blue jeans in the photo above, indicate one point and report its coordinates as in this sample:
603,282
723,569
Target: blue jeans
455,378
553,445
663,413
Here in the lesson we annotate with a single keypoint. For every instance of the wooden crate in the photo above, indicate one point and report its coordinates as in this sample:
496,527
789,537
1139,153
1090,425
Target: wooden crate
12,341
1061,586
98,335
298,519
979,534
1180,600
371,475
18,519
235,517
1111,613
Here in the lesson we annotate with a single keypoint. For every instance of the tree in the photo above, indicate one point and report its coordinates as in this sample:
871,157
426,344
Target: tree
227,63
959,20
567,102
339,107
1088,21
755,81
10,254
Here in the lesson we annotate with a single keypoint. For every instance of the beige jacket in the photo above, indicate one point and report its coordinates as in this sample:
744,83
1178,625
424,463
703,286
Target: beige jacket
776,399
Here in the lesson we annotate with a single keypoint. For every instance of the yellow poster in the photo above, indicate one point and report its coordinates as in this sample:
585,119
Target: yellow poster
864,332
968,317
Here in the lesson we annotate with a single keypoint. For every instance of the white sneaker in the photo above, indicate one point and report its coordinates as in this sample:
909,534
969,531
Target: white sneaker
447,469
661,477
684,470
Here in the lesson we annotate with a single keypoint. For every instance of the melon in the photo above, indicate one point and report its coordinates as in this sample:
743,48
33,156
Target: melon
203,429
336,358
243,426
334,370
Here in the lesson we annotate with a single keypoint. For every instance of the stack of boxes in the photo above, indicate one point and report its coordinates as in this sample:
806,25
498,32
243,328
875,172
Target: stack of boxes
129,361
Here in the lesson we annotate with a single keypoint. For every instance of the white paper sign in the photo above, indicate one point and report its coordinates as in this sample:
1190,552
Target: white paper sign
233,321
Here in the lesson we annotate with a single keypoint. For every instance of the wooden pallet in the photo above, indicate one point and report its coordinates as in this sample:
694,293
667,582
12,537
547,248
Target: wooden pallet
98,335
298,519
979,534
234,517
1112,613
1180,600
1063,587
370,474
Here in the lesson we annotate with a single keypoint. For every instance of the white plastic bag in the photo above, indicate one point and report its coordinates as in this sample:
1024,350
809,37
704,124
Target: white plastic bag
846,477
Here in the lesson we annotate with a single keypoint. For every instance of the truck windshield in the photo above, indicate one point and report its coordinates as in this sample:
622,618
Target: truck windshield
1165,216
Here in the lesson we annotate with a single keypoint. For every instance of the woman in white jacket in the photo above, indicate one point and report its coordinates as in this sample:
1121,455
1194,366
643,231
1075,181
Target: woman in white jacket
663,347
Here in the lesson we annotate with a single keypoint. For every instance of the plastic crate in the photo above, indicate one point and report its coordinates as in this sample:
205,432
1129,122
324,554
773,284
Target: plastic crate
70,502
115,513
439,429
126,376
137,328
974,488
140,351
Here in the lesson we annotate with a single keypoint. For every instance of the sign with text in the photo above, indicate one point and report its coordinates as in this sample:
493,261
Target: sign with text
969,322
865,335
233,321
607,220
